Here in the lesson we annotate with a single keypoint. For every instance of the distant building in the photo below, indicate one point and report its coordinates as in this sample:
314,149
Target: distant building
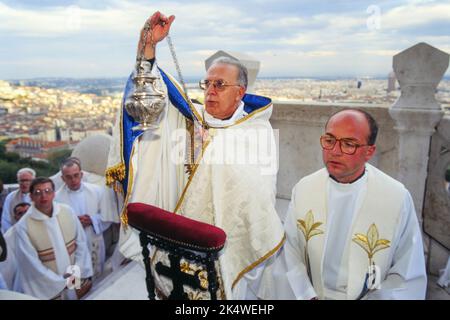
391,81
38,149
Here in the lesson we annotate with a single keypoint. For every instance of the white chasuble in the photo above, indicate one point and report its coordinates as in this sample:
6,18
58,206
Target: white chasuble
336,231
46,248
233,187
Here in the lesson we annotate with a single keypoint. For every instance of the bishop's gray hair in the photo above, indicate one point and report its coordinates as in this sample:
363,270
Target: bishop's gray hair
243,73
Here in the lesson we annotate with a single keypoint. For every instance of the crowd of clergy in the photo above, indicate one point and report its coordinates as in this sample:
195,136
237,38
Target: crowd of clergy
53,230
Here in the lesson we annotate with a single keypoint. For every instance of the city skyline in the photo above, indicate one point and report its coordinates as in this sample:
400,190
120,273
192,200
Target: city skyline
348,38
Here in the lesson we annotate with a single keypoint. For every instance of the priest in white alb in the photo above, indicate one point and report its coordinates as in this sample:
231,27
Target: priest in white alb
352,231
24,178
85,200
52,254
229,177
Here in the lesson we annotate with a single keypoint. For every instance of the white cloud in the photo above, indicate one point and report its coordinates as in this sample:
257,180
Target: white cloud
388,53
291,22
413,15
60,21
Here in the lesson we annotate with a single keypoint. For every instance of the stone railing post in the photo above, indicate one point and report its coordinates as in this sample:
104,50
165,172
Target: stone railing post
419,70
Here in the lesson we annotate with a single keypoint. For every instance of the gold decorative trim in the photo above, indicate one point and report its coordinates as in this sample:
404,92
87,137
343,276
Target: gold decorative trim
190,149
115,173
124,213
257,262
191,177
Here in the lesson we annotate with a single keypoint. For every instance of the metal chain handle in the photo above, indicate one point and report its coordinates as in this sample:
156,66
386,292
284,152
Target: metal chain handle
177,65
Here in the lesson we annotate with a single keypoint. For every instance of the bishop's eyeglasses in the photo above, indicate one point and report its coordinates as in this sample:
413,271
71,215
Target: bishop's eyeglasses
219,85
348,146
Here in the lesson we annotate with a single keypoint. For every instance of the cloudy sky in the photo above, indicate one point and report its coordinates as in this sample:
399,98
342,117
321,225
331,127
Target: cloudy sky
85,38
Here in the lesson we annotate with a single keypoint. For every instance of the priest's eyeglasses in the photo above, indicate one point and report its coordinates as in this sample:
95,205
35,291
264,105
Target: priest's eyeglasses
219,85
347,145
39,192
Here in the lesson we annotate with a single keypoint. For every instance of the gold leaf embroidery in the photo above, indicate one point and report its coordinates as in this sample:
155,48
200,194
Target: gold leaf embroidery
308,226
370,242
372,236
315,233
363,244
309,229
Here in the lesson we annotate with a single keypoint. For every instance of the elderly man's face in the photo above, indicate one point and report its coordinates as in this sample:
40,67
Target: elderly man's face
350,125
221,104
24,179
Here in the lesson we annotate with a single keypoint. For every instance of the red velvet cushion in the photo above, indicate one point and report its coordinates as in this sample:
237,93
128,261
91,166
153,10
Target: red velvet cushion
175,227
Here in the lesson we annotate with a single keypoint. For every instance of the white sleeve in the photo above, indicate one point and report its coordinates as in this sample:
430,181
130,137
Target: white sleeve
110,205
98,223
407,278
6,217
82,255
35,278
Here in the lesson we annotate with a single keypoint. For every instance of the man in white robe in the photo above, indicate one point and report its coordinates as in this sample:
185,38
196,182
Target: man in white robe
9,267
85,200
52,252
24,178
236,194
352,231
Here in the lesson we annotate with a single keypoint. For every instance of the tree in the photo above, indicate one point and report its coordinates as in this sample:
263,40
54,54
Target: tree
11,162
8,171
55,158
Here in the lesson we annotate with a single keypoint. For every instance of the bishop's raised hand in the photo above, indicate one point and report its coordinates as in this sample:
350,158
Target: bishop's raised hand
159,28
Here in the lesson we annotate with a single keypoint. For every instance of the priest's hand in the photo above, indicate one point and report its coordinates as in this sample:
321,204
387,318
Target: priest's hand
85,220
159,29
